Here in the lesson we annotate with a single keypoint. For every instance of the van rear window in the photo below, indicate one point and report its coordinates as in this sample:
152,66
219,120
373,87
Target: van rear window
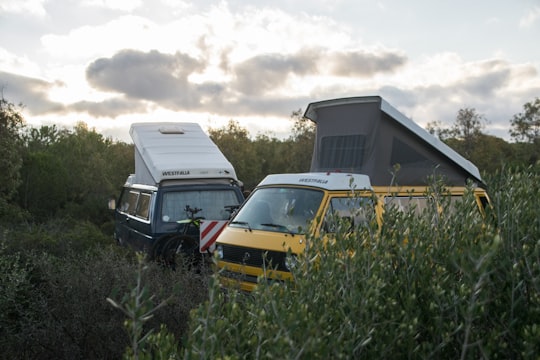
342,152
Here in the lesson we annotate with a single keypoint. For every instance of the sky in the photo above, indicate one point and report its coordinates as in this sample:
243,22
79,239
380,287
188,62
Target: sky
109,63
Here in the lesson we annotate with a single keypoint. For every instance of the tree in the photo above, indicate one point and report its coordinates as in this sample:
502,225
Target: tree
11,122
71,173
302,142
233,140
467,128
526,125
464,134
489,153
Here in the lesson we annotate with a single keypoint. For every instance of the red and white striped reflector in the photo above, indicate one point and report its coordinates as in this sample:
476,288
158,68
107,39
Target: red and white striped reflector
210,230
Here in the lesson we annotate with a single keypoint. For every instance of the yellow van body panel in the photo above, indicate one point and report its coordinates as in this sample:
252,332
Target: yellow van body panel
244,244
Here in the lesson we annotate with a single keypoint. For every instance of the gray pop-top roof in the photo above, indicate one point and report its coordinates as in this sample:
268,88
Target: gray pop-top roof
367,135
169,150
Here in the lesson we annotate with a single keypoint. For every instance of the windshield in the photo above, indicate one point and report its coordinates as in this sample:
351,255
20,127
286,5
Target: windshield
213,204
289,210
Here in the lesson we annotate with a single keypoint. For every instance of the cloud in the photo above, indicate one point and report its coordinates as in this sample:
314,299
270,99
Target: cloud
530,18
124,32
30,92
270,72
12,63
122,5
363,63
110,108
492,87
152,76
26,7
264,73
171,80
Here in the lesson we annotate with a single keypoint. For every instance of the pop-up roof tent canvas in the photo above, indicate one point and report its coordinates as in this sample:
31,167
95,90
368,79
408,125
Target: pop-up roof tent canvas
170,151
367,135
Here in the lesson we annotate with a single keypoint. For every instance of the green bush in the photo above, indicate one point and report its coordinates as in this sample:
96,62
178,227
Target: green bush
55,302
447,286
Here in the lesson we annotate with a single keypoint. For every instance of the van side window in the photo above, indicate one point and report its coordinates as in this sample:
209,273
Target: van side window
417,204
484,202
143,208
133,197
354,212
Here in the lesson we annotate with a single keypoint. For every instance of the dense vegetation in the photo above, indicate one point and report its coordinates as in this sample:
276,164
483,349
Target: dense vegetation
452,288
429,286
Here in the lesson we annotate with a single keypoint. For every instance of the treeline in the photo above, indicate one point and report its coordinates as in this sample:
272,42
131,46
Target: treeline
50,172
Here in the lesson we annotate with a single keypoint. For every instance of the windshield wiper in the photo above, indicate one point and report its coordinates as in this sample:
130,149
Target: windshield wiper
278,226
244,223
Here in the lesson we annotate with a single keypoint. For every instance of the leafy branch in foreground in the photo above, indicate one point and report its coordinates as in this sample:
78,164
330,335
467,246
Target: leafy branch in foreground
139,308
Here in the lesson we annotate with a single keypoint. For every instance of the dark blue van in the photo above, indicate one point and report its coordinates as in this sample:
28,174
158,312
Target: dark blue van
181,180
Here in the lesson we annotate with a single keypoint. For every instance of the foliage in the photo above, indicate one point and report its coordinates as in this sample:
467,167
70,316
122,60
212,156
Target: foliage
55,303
10,162
465,135
139,308
253,159
72,173
16,309
489,154
235,144
301,144
437,285
426,286
526,125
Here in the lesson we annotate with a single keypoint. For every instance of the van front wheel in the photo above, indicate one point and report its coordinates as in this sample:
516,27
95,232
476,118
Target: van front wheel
171,247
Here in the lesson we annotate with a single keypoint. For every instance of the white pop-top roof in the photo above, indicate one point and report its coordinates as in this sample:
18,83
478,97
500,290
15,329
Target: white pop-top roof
166,151
326,181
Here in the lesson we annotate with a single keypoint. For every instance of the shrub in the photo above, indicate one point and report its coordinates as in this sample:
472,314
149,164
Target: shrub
437,285
61,309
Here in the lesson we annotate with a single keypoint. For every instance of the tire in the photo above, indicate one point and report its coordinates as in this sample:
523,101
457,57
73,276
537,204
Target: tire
168,248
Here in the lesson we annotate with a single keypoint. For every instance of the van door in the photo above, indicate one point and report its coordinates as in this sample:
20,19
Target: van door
133,226
127,203
141,235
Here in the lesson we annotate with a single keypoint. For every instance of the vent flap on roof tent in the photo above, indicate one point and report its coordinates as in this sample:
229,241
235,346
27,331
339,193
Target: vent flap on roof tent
367,135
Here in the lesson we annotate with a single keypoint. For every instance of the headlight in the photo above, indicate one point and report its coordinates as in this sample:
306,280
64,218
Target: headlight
291,262
219,251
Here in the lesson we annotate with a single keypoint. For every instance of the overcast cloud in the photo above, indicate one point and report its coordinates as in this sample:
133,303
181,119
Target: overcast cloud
113,62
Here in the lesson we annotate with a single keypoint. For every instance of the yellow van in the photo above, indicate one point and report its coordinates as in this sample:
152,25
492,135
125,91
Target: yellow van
271,226
356,135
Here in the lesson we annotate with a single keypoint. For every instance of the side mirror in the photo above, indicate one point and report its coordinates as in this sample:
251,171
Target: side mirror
112,204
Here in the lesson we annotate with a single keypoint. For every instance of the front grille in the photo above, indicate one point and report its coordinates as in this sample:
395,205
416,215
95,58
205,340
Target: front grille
267,259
